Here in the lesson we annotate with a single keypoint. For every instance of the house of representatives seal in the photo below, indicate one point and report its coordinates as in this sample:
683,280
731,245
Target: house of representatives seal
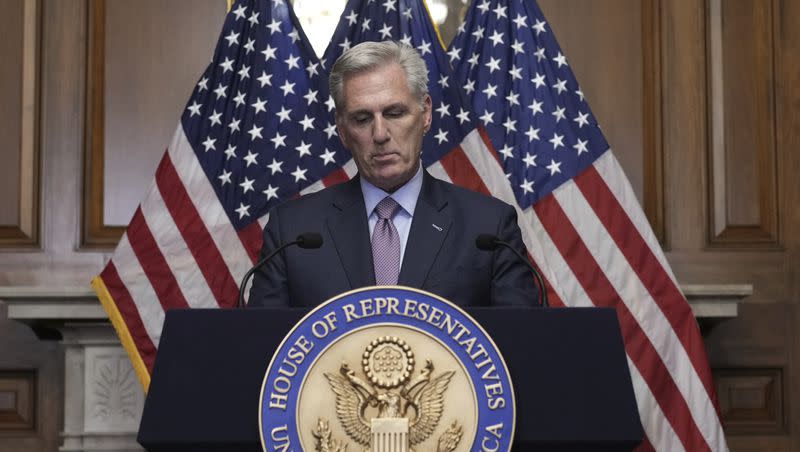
387,369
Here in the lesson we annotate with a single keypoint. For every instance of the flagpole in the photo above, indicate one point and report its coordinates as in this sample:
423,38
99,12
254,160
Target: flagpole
230,4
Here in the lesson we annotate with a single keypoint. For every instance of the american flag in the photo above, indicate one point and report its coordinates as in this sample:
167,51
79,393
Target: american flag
580,218
257,130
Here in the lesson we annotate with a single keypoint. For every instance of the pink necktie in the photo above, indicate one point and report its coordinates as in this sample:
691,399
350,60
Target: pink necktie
386,244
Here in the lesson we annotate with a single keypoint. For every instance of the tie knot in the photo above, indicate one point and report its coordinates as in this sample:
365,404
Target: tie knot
387,208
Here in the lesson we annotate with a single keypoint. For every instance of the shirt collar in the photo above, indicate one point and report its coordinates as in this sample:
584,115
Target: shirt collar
406,195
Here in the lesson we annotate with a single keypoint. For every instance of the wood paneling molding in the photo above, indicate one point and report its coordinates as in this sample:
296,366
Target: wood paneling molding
742,149
17,402
24,233
751,400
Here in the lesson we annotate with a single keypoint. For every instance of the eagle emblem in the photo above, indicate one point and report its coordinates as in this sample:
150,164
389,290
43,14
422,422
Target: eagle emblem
389,400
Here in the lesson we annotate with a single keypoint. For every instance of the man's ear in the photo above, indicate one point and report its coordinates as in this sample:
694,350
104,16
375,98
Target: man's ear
427,105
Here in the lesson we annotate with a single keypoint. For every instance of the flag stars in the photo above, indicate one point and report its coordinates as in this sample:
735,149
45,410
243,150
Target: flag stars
518,47
424,48
490,91
230,152
515,72
243,210
327,157
303,149
520,21
539,54
487,117
225,177
539,27
454,54
484,6
253,19
463,116
536,107
275,167
307,123
470,86
265,79
274,27
278,140
526,186
538,80
345,45
507,152
220,91
473,60
443,110
352,18
214,118
533,134
365,24
250,158
294,36
560,86
389,5
512,98
250,46
441,136
385,31
209,144
287,88
510,125
407,13
579,93
226,65
330,103
554,167
493,64
284,114
269,53
202,84
330,130
232,38
582,119
312,69
557,141
234,125
271,192
500,11
580,146
255,132
311,96
561,60
259,105
239,99
194,109
239,12
406,39
291,62
558,113
299,174
530,160
443,81
478,33
496,38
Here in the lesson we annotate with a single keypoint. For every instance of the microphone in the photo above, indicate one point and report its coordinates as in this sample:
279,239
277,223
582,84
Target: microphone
306,240
489,242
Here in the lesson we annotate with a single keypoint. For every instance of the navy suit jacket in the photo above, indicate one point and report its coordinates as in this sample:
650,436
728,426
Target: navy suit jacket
440,255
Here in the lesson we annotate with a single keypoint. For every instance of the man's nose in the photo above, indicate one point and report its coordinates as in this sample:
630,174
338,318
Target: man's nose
380,131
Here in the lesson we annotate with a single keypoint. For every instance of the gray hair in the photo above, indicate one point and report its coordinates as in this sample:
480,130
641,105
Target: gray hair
369,55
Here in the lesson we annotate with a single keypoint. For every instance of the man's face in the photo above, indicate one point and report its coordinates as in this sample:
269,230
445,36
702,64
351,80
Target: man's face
382,124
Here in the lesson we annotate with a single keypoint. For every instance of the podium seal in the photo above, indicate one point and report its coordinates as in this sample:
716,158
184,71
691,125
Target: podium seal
387,369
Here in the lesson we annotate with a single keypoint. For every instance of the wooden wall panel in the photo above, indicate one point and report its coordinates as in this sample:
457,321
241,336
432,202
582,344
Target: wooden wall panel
17,401
742,128
144,58
19,174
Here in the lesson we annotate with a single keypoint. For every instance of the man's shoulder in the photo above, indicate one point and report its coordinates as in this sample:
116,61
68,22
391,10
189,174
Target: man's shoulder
467,197
314,202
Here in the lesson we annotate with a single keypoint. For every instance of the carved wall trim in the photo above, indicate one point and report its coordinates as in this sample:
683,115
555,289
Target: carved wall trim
17,402
26,233
742,133
751,400
94,232
652,141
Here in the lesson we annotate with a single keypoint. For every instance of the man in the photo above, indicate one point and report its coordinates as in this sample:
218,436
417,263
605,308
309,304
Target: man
393,223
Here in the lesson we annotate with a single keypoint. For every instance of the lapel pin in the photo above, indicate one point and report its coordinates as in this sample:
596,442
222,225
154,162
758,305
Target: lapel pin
438,228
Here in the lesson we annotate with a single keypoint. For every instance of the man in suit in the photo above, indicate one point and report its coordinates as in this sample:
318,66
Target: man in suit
393,223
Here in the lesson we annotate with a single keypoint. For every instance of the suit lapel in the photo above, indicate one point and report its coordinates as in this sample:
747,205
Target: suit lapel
350,233
429,228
